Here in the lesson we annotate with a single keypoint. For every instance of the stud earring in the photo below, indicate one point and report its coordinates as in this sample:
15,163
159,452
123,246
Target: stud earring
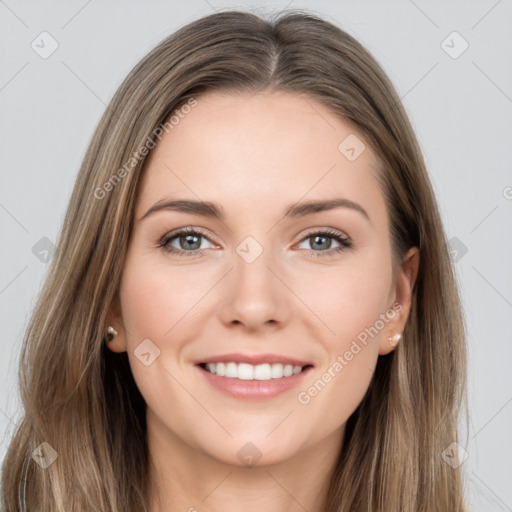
111,332
393,340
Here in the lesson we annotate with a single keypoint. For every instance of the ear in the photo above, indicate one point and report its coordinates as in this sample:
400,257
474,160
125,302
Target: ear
403,293
115,319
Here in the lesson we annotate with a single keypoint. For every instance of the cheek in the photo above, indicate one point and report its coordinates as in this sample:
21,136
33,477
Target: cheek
350,301
349,298
155,297
351,307
155,300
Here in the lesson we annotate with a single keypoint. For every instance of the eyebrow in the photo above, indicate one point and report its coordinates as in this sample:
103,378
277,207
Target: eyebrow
212,210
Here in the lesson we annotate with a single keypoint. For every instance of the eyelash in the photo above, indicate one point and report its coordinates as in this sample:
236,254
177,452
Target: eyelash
345,242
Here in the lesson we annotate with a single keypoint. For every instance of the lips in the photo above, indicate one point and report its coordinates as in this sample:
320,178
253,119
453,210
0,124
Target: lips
253,376
255,389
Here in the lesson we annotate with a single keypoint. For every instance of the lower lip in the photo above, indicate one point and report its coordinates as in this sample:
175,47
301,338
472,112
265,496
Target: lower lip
253,389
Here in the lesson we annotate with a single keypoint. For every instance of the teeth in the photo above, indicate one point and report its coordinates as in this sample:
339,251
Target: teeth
244,371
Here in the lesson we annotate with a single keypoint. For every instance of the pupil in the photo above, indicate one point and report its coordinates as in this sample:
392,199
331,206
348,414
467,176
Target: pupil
187,240
321,237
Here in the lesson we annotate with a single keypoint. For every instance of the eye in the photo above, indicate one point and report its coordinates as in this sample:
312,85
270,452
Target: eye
188,240
322,240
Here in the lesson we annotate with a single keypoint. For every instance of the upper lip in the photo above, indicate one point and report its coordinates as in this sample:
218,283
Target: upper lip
254,359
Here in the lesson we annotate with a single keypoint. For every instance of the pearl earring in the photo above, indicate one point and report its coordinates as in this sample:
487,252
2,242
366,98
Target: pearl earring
393,340
111,332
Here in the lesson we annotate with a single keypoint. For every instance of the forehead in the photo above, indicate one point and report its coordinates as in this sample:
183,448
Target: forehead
260,149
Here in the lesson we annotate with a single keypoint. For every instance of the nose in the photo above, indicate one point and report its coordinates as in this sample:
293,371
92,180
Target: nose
254,295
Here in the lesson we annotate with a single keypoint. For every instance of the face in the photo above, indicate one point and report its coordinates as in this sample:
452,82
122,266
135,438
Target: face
258,277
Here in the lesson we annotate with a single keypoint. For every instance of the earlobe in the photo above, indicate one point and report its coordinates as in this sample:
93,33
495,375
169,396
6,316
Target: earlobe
390,344
114,338
403,295
111,332
114,341
393,340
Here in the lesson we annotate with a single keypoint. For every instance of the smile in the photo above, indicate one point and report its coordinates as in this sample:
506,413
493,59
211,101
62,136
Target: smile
254,382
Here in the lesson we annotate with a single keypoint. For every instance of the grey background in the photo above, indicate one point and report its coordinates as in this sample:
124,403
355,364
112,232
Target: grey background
460,108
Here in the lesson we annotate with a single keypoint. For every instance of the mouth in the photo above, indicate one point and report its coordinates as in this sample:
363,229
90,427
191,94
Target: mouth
253,377
250,372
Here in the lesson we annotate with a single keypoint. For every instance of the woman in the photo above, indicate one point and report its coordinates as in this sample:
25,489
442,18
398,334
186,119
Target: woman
200,343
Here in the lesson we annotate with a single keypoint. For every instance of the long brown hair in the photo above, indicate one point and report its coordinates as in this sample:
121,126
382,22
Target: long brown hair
82,400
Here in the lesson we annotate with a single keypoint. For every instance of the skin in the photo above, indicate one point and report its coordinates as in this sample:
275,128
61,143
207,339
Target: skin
255,155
